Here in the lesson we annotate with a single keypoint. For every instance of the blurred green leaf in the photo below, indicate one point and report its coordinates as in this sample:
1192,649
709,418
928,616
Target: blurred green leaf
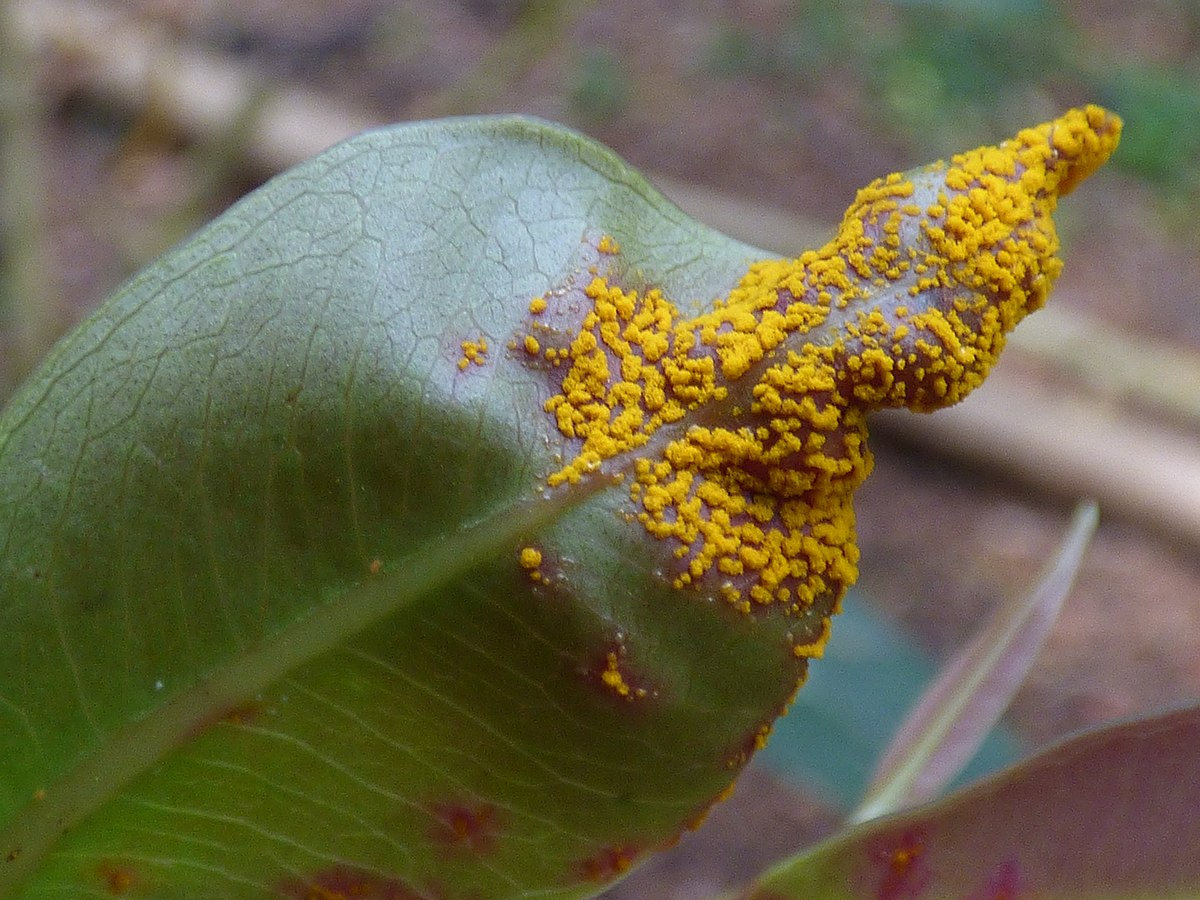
951,71
1108,814
1162,108
854,700
600,87
968,697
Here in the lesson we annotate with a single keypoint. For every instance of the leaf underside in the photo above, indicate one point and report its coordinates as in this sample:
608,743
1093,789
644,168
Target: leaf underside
266,627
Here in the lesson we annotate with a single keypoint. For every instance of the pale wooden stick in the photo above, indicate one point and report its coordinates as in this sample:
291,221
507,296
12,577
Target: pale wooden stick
131,62
1070,444
32,308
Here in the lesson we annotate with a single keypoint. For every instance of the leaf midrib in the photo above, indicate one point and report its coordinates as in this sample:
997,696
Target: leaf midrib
137,747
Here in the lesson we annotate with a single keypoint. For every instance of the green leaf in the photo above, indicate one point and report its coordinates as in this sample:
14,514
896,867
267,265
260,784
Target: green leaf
399,535
265,625
1107,814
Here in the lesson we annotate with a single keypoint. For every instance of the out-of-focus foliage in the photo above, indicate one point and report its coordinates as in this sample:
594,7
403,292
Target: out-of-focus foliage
936,73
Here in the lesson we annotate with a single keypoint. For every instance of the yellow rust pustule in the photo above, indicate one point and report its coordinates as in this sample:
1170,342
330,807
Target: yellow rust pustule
744,428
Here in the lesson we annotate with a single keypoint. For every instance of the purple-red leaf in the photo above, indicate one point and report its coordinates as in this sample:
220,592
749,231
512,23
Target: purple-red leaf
1110,813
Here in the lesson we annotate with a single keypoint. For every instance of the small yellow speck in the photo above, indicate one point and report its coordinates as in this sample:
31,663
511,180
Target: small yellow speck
473,352
608,246
532,347
614,679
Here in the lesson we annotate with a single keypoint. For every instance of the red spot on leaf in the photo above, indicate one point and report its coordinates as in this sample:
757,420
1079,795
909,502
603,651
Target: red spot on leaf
905,870
119,877
1003,884
347,883
608,863
465,827
242,714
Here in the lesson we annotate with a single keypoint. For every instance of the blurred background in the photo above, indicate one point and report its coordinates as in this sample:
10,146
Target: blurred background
127,125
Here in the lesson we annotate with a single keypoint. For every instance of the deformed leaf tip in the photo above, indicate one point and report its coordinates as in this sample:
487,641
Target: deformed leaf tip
743,428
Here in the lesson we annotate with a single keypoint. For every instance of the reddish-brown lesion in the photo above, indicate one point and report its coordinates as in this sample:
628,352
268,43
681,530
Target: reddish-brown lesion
465,826
244,713
120,878
350,883
237,714
608,863
901,860
612,670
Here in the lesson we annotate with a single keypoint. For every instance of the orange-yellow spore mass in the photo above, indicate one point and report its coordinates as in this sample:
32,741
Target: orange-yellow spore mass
531,561
473,352
608,246
614,679
744,428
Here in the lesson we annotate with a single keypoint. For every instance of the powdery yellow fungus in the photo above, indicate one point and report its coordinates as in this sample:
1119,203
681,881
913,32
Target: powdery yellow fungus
608,246
473,352
744,429
531,561
815,648
614,679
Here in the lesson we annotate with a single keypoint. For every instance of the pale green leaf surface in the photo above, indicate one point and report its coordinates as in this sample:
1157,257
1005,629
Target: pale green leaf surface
264,627
1105,815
